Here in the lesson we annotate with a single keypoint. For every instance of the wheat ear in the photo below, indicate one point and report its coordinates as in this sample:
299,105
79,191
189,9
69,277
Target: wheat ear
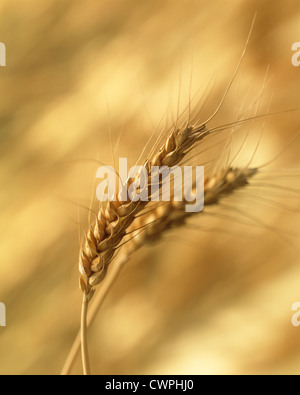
151,226
113,220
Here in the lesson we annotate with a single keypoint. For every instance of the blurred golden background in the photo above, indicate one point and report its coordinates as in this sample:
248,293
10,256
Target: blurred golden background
213,303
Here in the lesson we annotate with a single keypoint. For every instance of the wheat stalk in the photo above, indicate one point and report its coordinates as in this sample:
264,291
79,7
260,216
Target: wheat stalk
151,225
114,221
118,220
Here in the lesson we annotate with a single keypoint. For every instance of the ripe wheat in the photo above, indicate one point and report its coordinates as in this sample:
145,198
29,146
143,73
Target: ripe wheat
113,221
155,222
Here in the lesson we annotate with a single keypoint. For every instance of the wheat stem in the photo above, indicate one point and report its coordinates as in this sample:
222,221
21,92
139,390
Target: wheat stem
93,309
84,343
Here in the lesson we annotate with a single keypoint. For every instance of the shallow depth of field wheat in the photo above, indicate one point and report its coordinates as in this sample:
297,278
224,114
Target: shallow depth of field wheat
86,84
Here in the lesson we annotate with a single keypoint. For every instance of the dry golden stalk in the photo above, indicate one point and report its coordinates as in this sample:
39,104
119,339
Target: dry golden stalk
97,302
114,219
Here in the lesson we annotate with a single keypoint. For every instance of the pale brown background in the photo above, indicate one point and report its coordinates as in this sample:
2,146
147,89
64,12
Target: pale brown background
200,302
